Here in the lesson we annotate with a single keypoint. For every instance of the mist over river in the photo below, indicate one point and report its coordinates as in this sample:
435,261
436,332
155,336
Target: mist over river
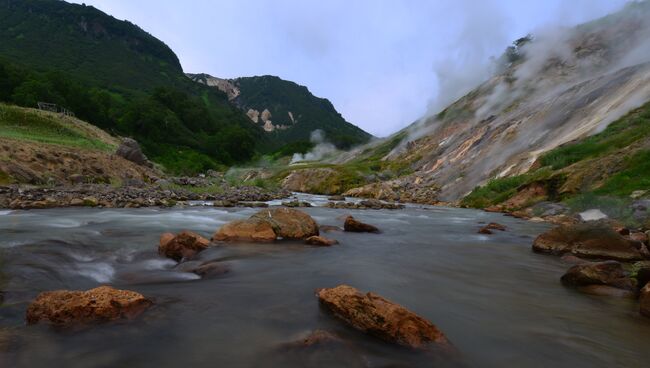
500,304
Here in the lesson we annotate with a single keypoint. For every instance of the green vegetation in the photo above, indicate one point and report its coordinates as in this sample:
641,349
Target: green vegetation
620,134
23,124
117,77
622,148
635,176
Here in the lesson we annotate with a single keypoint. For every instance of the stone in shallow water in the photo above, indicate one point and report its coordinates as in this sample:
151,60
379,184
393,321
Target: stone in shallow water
589,240
320,240
609,273
245,230
184,245
382,318
73,308
644,301
355,226
267,225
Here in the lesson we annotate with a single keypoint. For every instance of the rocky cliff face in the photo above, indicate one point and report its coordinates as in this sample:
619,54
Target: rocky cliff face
556,88
286,111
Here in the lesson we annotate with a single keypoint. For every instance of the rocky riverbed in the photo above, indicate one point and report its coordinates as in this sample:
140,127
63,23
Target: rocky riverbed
487,296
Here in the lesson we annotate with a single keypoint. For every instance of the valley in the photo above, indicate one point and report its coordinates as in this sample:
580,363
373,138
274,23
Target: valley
152,216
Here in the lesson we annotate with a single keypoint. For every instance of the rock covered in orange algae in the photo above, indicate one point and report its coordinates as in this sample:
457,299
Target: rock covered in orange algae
382,318
74,308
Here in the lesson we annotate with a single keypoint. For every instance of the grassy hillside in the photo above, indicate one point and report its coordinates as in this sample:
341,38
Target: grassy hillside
118,77
23,124
310,113
610,165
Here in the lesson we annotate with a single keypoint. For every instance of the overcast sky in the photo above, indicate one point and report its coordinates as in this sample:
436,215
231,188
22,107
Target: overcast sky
383,63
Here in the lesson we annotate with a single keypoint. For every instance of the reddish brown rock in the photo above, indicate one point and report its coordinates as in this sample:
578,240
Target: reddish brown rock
604,290
320,240
288,223
485,231
352,225
184,245
638,237
588,240
246,230
65,308
382,318
609,273
644,301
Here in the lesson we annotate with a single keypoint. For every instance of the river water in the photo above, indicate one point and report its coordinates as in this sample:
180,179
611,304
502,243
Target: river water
500,304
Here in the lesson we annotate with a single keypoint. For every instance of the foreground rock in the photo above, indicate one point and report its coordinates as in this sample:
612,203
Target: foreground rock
382,318
589,240
267,225
64,308
352,225
320,240
487,229
609,273
644,301
185,245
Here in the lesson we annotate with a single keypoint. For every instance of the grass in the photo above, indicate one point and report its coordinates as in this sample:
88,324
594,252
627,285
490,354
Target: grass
622,133
31,125
635,176
629,132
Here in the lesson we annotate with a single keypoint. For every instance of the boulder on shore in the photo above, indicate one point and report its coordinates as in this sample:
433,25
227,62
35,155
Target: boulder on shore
269,224
320,240
352,225
589,240
644,301
184,245
66,308
372,314
609,273
130,150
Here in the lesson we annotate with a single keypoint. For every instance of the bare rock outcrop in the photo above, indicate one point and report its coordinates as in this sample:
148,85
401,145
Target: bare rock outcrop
246,230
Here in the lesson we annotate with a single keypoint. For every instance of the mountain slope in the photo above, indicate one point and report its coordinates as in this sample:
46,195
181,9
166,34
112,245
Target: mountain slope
552,89
115,75
287,111
83,40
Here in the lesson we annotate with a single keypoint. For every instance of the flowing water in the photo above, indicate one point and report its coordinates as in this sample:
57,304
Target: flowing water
499,303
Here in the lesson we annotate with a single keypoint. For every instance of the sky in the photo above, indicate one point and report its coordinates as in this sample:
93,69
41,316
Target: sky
382,63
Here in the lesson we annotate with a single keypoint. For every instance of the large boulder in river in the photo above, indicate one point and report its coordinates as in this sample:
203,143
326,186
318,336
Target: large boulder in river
269,224
644,301
130,150
65,308
184,245
353,225
382,318
288,223
589,240
609,273
246,230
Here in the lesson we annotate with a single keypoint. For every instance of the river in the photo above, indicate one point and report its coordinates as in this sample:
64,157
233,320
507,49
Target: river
498,303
